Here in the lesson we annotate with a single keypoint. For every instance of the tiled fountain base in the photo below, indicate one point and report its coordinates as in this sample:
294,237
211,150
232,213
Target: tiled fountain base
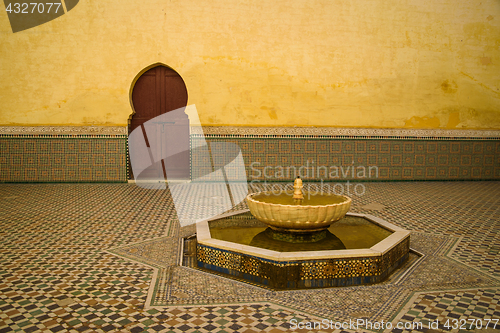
306,269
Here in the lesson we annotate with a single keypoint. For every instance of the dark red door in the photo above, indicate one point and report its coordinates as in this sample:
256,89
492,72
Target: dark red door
158,91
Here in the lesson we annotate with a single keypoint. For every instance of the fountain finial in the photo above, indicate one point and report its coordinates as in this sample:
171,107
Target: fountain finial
297,189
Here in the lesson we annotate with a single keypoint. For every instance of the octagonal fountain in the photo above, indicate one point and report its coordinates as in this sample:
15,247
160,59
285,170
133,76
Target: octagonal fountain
300,240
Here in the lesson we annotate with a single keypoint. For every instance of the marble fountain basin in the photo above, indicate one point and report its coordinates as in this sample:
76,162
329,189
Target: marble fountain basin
281,212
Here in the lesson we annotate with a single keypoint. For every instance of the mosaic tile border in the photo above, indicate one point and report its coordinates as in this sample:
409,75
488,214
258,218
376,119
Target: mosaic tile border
456,254
58,130
268,131
337,132
62,136
83,158
359,159
451,309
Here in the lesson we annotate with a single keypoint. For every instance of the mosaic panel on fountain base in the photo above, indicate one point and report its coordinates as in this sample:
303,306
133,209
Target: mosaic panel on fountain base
302,270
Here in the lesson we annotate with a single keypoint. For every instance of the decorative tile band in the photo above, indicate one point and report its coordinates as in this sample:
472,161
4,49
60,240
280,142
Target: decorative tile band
302,274
63,158
270,131
275,154
58,130
334,132
360,159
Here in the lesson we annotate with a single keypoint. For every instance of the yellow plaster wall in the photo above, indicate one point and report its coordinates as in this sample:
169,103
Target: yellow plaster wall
370,63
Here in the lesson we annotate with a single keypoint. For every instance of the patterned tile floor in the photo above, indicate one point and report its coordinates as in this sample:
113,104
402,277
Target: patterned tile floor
104,258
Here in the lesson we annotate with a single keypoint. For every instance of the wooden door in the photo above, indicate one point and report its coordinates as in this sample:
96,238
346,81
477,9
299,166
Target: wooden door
158,91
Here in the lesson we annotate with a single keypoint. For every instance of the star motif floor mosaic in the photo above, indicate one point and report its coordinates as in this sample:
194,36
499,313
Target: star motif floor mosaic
105,258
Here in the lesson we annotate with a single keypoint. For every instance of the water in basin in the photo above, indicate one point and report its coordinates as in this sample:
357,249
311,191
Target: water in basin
348,233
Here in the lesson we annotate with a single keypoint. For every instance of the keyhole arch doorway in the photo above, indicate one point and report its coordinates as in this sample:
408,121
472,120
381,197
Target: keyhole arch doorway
156,90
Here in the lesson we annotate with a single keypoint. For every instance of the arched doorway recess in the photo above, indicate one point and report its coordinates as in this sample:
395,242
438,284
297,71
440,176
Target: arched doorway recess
157,91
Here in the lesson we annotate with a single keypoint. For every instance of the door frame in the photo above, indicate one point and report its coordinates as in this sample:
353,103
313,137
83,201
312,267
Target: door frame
129,119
